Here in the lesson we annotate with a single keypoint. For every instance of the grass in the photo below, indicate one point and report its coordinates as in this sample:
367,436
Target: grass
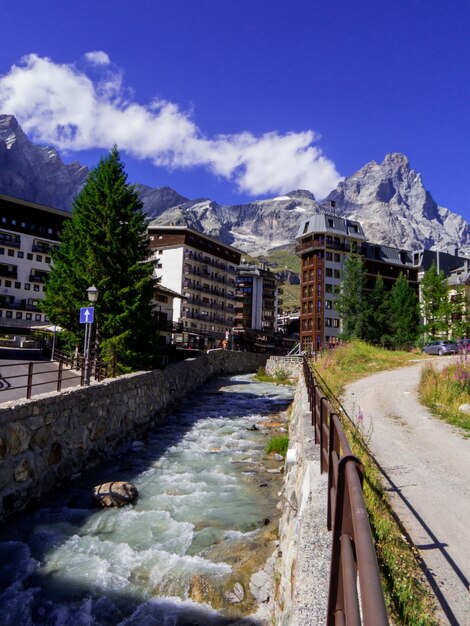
278,444
280,377
409,600
357,359
444,391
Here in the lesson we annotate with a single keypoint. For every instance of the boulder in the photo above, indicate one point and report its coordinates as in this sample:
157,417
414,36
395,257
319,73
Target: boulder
116,493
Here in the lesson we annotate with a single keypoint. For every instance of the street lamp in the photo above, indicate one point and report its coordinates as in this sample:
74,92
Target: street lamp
92,294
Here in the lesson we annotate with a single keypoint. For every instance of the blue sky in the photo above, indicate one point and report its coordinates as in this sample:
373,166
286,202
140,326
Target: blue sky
248,98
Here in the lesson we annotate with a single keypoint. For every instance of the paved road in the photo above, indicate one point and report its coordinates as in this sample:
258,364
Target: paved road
428,465
14,377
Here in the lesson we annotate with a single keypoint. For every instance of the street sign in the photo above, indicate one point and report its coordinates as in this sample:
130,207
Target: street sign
87,315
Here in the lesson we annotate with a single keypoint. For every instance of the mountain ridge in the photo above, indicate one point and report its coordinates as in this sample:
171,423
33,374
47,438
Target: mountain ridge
388,198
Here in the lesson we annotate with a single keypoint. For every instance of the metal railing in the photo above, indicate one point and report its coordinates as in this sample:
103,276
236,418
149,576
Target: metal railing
355,593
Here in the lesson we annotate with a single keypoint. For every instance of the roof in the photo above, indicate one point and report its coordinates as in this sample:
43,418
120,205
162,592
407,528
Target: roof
165,291
154,227
35,205
330,224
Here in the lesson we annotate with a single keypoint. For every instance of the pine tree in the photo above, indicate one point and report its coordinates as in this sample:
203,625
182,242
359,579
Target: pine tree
435,305
106,244
404,313
377,314
349,303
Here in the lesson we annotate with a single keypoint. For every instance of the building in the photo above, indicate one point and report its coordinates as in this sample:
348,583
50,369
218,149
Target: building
257,306
323,242
203,270
164,305
28,232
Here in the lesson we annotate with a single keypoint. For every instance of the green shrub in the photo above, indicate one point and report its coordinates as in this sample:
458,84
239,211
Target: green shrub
278,444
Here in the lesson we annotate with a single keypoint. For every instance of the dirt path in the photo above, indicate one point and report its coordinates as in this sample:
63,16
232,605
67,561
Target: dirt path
428,466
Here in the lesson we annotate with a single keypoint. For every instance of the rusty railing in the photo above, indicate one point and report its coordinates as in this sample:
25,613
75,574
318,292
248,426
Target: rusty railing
355,594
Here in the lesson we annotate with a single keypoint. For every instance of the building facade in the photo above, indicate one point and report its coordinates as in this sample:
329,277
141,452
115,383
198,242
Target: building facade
28,232
257,306
203,271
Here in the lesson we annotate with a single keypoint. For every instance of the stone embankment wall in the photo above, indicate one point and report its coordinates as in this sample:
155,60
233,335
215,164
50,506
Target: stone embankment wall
303,563
290,364
48,439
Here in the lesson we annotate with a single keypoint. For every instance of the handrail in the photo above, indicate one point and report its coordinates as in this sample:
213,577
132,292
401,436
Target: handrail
355,594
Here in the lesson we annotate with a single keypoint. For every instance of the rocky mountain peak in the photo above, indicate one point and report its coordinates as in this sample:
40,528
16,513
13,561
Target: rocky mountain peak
301,193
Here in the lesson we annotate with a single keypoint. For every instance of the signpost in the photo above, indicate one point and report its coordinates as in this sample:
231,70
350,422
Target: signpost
87,315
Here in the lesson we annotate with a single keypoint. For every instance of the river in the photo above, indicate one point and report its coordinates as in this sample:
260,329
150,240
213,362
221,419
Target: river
184,553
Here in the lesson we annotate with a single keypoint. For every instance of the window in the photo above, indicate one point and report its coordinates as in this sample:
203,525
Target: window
328,272
2,250
27,286
20,254
17,285
39,258
328,304
329,256
37,317
330,223
328,322
19,315
335,323
337,274
337,257
328,288
29,316
8,283
47,259
29,256
35,287
11,253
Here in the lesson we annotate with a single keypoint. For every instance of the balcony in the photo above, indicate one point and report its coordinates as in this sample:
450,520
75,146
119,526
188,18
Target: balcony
38,277
14,241
9,271
43,248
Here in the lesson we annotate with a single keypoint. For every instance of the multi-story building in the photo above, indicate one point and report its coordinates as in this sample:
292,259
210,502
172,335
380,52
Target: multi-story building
203,270
323,242
28,232
257,305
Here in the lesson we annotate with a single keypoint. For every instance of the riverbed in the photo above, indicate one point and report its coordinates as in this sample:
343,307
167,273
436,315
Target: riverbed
184,554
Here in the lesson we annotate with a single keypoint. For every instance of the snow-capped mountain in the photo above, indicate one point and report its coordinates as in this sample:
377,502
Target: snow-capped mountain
389,199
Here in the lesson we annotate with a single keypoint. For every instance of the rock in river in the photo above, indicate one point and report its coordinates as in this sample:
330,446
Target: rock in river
115,493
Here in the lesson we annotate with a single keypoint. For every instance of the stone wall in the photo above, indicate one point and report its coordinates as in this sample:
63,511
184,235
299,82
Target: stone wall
290,364
48,439
303,563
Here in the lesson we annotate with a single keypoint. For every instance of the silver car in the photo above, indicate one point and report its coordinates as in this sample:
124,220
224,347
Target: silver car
441,346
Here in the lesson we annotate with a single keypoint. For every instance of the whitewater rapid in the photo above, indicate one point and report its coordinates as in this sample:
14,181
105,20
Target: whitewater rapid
202,486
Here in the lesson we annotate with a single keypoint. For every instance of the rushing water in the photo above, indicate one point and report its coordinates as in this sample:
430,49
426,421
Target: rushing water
204,496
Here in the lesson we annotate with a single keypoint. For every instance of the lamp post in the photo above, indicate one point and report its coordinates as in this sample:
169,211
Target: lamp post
92,294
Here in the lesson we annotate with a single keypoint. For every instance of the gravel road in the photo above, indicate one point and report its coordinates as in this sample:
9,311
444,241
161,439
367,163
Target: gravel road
428,466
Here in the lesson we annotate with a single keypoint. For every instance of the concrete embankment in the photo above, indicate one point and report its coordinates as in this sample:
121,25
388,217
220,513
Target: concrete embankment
303,563
47,440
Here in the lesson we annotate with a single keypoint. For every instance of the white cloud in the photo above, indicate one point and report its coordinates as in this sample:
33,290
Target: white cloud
60,105
98,57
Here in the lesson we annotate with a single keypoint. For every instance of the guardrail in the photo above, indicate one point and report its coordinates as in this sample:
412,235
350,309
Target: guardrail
355,594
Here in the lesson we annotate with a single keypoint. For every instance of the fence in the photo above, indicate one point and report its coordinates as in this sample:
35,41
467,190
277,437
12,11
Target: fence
355,594
46,376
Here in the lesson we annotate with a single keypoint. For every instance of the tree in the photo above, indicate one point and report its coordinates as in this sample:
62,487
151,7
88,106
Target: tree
349,303
458,309
435,305
377,314
404,313
106,244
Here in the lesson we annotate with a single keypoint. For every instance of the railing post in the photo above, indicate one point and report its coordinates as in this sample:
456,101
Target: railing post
59,376
29,384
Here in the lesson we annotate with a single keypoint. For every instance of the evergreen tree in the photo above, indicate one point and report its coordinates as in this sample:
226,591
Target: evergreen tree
435,304
377,314
404,313
349,302
106,244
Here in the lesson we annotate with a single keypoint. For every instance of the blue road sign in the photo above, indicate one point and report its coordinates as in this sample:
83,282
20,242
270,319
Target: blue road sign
87,315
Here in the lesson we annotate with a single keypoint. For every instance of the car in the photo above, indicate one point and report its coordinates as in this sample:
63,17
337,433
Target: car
441,346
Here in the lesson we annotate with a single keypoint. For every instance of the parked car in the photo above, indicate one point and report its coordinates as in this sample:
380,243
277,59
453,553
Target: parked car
441,346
